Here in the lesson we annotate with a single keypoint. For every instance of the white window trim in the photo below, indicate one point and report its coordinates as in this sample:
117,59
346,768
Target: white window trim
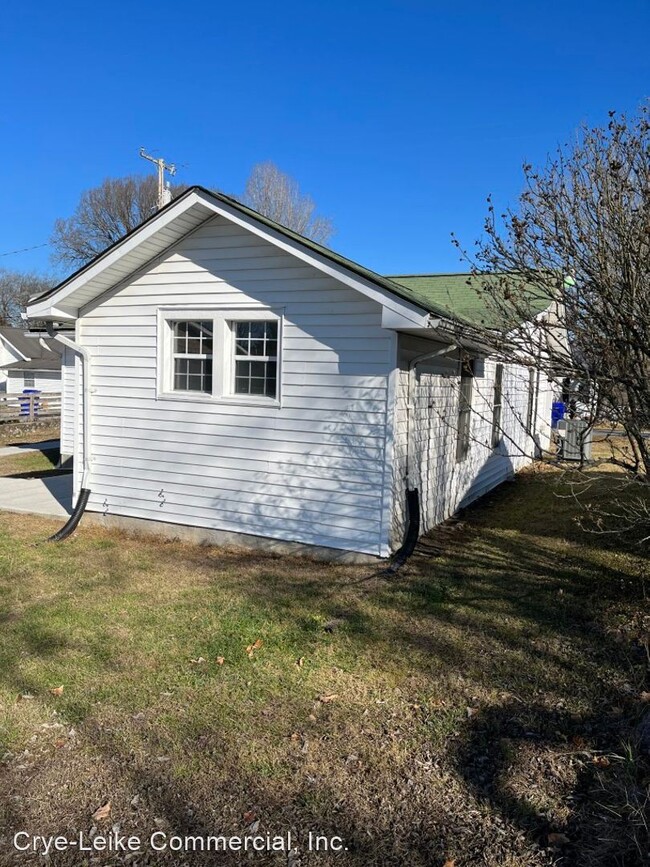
222,353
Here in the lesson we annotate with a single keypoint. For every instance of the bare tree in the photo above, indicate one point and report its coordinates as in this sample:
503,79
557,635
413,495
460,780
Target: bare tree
274,194
15,290
104,215
579,244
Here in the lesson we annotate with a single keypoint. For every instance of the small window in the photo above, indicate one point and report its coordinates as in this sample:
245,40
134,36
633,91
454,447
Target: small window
464,410
29,380
255,355
496,406
192,354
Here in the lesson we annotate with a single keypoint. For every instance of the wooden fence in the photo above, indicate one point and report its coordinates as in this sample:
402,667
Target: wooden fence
29,407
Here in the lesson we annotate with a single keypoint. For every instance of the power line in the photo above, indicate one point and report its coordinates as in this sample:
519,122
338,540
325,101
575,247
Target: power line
24,249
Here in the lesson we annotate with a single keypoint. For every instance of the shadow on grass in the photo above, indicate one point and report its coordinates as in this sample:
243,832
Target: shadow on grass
514,609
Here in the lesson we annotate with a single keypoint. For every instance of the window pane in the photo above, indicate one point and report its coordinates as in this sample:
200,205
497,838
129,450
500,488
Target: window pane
192,374
257,329
271,330
257,347
255,377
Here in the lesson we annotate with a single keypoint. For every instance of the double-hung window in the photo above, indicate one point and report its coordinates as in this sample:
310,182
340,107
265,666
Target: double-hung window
255,355
228,355
192,355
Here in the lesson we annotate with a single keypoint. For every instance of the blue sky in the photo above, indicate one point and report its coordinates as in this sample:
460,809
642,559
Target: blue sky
397,117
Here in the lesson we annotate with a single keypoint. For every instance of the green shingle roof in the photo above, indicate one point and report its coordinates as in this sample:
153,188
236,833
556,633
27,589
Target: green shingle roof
457,295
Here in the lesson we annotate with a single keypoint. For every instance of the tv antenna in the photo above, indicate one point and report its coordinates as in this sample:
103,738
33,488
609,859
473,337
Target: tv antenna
164,193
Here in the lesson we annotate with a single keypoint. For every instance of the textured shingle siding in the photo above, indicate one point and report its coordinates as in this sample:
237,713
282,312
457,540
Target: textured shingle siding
446,484
313,471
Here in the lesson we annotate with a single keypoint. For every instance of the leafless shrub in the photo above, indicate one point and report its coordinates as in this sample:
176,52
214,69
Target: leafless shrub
578,246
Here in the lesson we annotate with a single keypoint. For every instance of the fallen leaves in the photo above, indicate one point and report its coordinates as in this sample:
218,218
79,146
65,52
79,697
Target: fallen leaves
326,699
645,696
558,840
220,660
102,813
57,690
250,650
601,761
300,661
200,660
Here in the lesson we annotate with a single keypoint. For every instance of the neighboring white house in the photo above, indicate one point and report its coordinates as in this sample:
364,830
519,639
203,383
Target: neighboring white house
240,379
28,362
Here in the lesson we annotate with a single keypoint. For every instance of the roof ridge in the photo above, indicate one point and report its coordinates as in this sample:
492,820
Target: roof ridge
433,274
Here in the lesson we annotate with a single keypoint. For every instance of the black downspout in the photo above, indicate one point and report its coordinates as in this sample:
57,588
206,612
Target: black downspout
412,533
73,521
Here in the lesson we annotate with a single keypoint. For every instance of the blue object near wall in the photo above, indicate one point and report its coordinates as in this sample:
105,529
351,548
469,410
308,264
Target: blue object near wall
557,412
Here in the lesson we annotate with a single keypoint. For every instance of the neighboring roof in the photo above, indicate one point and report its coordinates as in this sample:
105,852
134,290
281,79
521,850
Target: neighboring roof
31,348
51,363
16,338
458,296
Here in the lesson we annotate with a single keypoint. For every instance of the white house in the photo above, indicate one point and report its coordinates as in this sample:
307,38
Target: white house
230,376
28,362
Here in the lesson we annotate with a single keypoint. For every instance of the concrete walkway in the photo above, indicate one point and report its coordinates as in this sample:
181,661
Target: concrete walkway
25,448
51,497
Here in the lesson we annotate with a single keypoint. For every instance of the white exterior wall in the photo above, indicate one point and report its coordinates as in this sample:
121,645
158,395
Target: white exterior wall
313,470
444,483
68,405
46,380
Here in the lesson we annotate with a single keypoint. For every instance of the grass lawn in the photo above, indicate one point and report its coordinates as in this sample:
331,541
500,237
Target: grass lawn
482,707
30,462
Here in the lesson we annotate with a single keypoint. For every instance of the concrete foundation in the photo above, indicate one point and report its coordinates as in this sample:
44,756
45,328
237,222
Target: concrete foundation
224,538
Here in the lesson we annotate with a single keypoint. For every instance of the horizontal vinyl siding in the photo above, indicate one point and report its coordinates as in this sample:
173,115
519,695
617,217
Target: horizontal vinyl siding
68,377
310,471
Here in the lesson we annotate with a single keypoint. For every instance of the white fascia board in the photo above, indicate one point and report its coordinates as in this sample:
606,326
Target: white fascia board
396,320
51,308
339,272
49,313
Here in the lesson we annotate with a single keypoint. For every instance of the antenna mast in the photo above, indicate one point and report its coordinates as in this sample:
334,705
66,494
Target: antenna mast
164,193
